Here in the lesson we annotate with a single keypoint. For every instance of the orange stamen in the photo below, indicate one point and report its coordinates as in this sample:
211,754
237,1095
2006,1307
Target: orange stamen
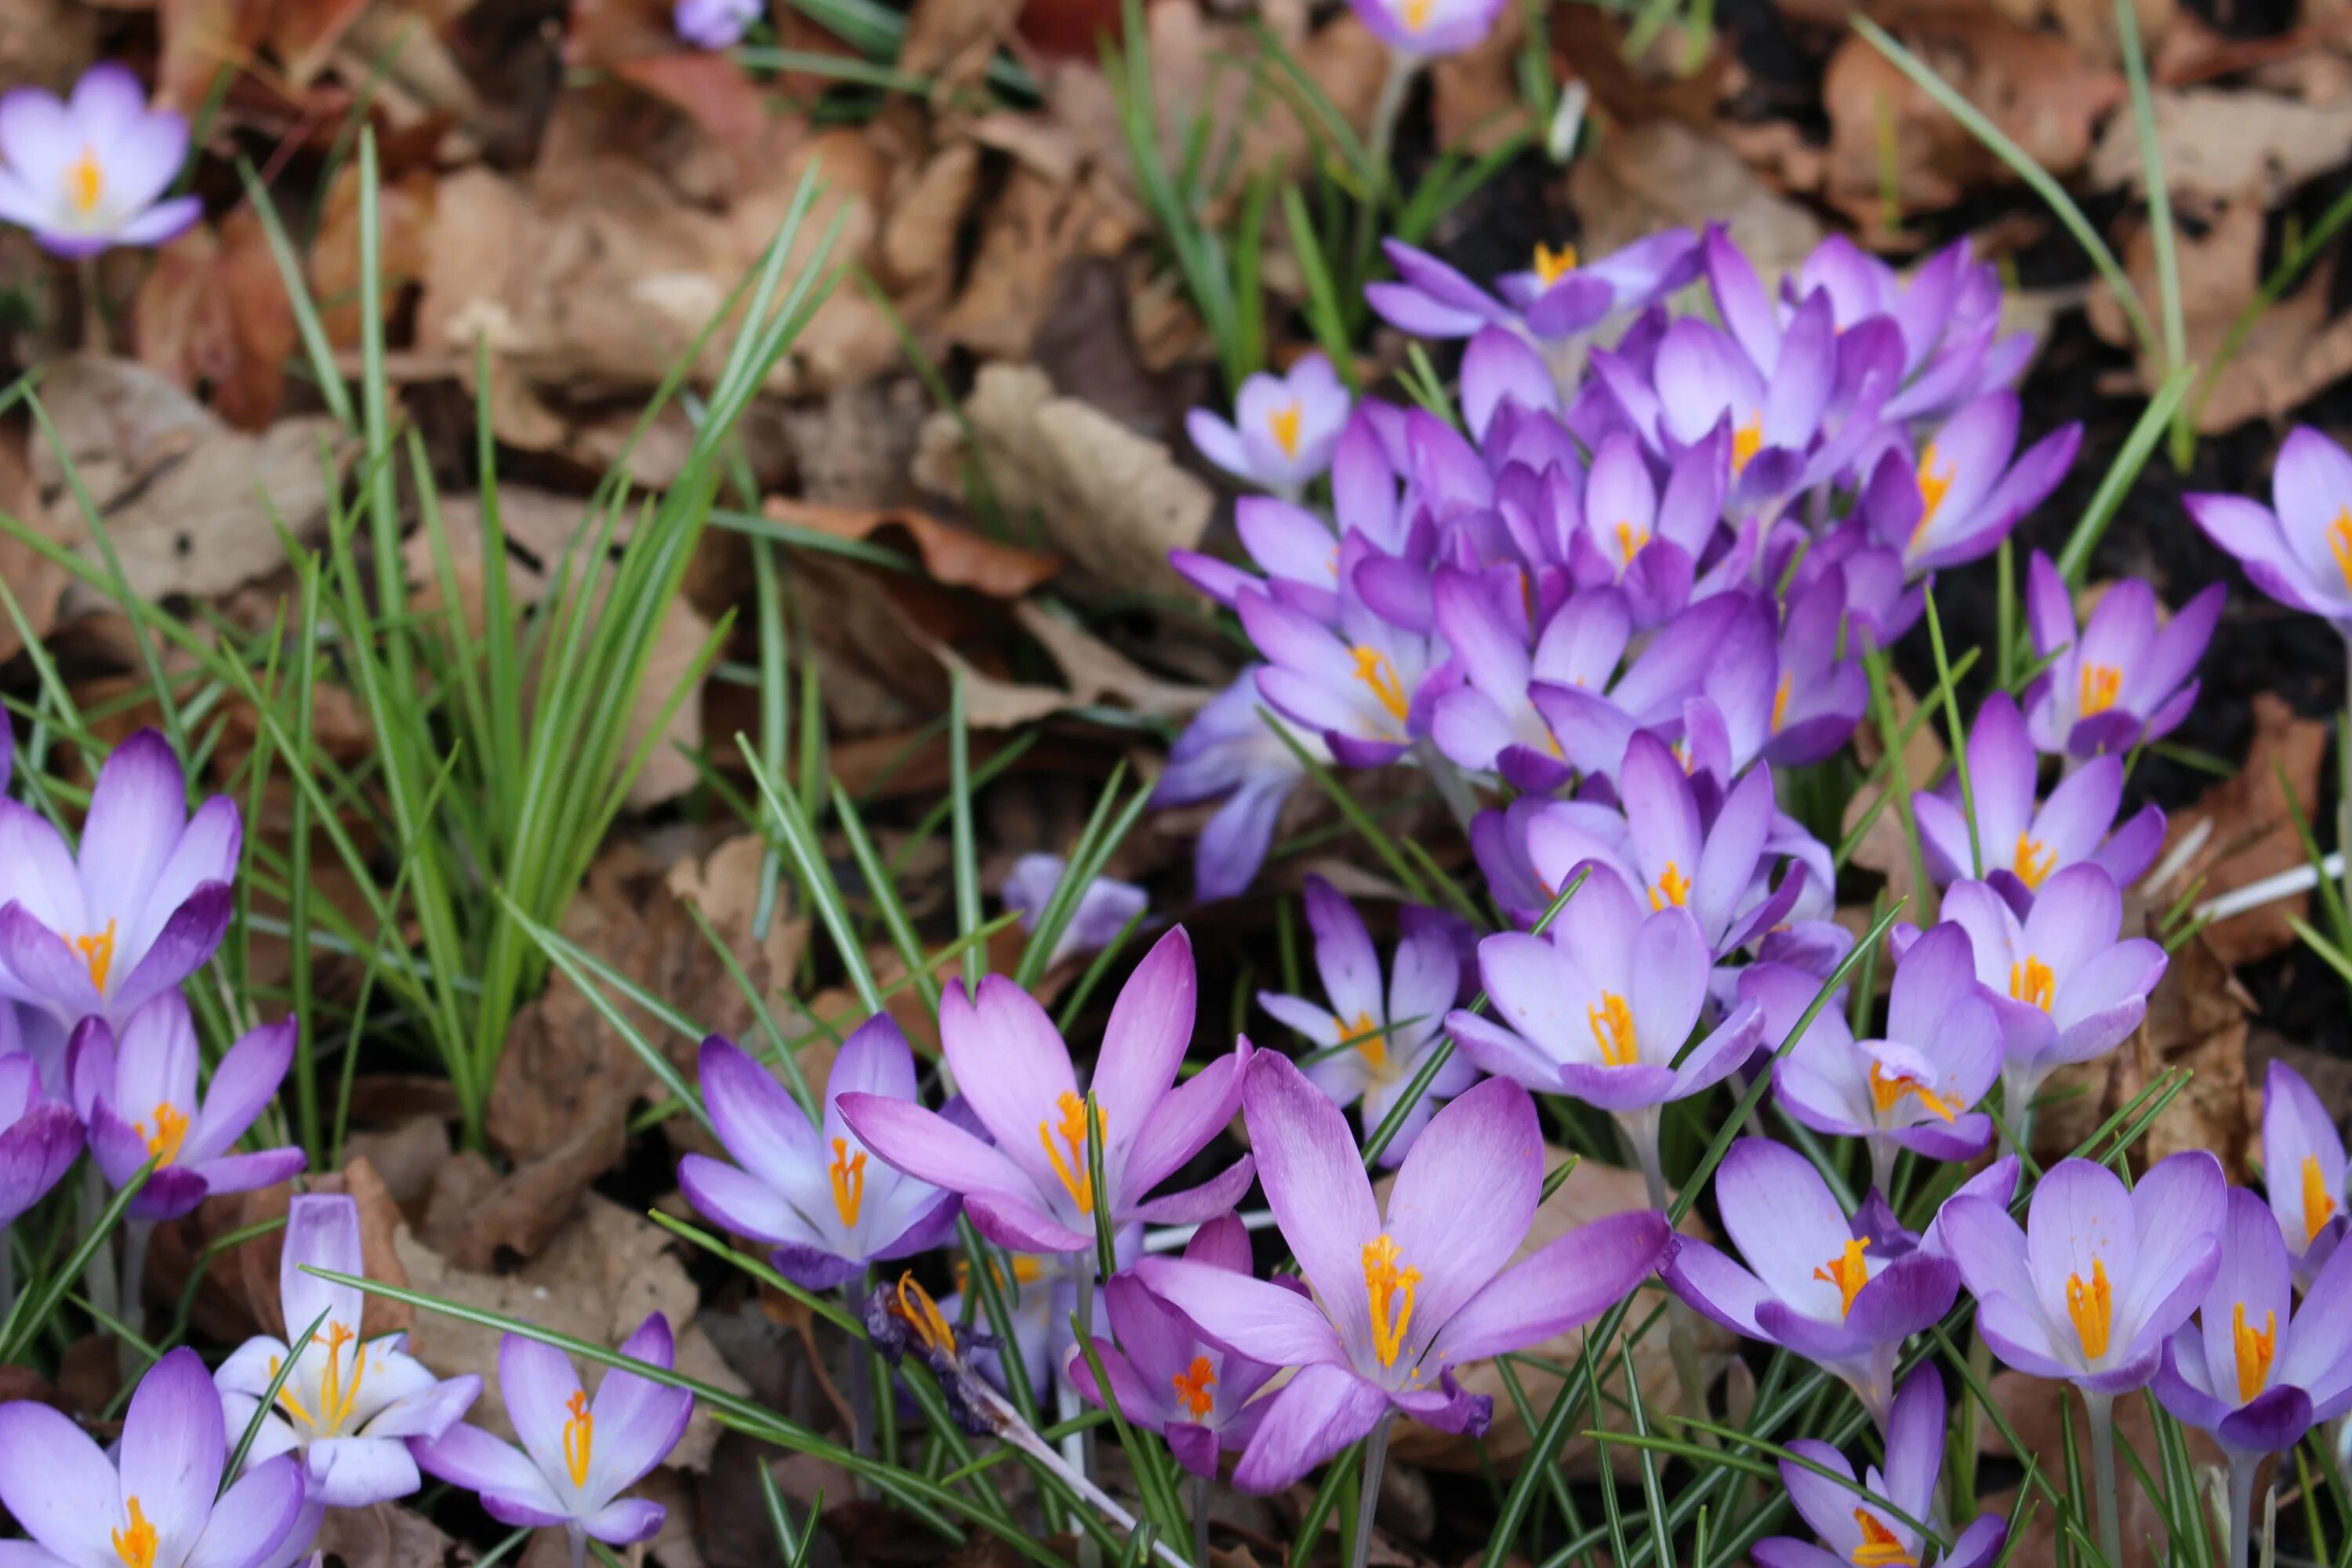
847,1174
2099,687
579,1438
1077,1179
1192,1387
1672,888
1779,704
1388,1291
1879,1547
2032,982
2033,861
1747,441
85,182
1885,1090
98,953
135,1546
1613,1029
1849,1271
1366,1036
2093,1307
2254,1351
1629,541
170,1131
1933,488
1373,668
1283,423
1551,266
2318,1207
2339,544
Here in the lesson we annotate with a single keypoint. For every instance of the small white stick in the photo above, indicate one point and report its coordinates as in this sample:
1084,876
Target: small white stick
2270,889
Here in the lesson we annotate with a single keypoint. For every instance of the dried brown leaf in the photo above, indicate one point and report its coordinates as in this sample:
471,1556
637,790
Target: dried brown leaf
1663,175
214,310
955,556
2249,831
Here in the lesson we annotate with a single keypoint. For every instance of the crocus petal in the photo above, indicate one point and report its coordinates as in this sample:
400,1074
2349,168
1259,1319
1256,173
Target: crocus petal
352,1472
1151,1026
1465,1196
1563,1284
243,1083
1182,1124
323,1231
57,1484
1250,1317
252,1517
1316,1415
1012,1066
538,1382
625,1522
173,1445
928,1146
1315,1182
470,1458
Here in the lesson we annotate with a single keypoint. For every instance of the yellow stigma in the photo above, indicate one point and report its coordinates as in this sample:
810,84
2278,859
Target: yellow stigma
2100,685
1366,1036
135,1546
1373,668
1849,1271
1932,488
847,1174
2254,1351
1747,441
1416,13
579,1438
1880,1546
1192,1387
1388,1291
1077,1180
2339,544
1672,888
1612,1030
913,1306
170,1131
1779,704
2318,1207
2033,861
1629,541
85,182
98,953
1551,266
1283,423
1886,1087
2032,982
2092,1308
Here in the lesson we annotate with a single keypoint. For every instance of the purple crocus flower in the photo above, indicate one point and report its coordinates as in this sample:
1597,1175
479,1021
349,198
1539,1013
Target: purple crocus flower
1852,1532
90,171
576,1457
1231,749
1169,1380
2100,1275
1816,696
1817,1287
140,1101
1914,1088
1373,1038
1358,683
714,24
1105,906
1040,1292
1559,294
1623,530
2301,552
1034,1190
349,1406
1295,549
1962,497
156,1499
1593,710
136,912
2121,681
1424,29
1402,1299
1284,426
864,1211
2302,1169
39,1139
2022,844
2065,988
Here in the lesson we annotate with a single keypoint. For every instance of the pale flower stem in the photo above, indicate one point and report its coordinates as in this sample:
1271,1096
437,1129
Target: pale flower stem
97,1278
136,1235
1641,1134
1376,1459
1201,1521
93,312
579,1545
1452,788
2101,1409
2241,1505
1022,1435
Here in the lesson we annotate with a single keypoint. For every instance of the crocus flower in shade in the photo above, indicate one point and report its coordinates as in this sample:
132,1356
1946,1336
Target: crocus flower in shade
2120,681
1373,1038
2253,1370
1962,497
577,1456
1295,549
91,171
1852,1531
1914,1089
140,1101
1104,907
1817,696
135,912
2100,1275
1284,426
39,1138
1559,295
2302,1168
155,1500
1816,1287
2021,841
1168,1379
1034,1190
2301,552
813,1194
1625,532
714,24
2065,988
349,1406
1402,1299
1357,683
1231,749
1040,1291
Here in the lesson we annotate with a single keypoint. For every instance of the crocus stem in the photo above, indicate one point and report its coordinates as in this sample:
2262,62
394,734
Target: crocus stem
1022,1435
1882,1166
1200,1521
1079,1448
94,313
1376,1459
579,1545
1641,1133
2101,1409
97,1278
136,1234
1452,788
2241,1505
1386,110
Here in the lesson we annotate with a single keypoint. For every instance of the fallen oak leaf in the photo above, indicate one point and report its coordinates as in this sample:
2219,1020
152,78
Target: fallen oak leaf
954,556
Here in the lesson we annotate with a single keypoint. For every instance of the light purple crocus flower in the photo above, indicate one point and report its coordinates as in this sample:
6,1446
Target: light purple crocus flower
139,1098
90,171
1358,683
2302,1169
1040,1293
1559,294
1169,1380
1373,1038
1034,1190
2120,681
2301,552
1104,905
577,1456
1817,1287
137,911
2066,989
2100,1275
1231,749
1295,549
1624,531
813,1194
1915,1089
2025,843
155,1500
714,24
39,1139
349,1406
1852,1531
1284,426
1399,1301
1593,710
1962,497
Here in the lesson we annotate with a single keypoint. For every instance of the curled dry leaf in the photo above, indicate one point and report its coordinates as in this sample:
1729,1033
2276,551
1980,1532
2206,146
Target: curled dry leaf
2249,831
2219,144
256,1262
1663,175
955,556
403,221
214,311
950,42
37,582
